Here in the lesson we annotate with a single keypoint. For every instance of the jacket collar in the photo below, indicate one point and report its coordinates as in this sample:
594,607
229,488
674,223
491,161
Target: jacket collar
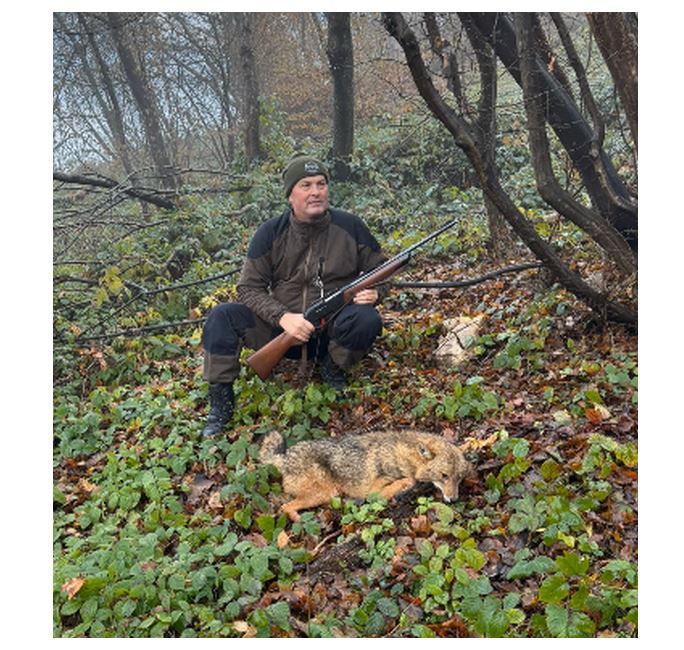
307,229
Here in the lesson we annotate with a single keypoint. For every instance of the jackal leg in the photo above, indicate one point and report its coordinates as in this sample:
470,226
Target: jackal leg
397,486
316,495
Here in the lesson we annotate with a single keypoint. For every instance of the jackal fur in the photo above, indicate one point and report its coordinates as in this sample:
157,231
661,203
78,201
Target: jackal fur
382,462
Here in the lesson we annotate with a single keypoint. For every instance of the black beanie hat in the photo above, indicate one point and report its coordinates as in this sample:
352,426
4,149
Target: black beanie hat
298,168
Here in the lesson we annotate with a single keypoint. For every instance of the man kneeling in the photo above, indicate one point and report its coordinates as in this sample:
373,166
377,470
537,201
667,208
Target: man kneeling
292,261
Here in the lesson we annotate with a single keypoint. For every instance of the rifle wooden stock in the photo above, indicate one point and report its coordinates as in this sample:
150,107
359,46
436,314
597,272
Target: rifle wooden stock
265,359
375,277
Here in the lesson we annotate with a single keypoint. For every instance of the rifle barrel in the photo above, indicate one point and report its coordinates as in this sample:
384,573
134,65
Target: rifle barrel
413,247
403,255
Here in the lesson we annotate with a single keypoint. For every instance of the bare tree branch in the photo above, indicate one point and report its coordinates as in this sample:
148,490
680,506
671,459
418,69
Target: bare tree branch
396,25
549,188
135,331
98,181
455,284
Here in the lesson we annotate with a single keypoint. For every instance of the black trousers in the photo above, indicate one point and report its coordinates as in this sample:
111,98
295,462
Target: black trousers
229,326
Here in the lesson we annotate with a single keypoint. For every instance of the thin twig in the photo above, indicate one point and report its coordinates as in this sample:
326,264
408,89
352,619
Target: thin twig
136,331
323,542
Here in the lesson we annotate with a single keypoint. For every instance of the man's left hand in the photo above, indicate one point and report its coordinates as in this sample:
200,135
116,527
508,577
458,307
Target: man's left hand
366,297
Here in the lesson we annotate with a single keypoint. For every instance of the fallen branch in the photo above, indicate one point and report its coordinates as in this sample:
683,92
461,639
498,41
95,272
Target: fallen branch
136,331
345,556
469,282
142,195
163,326
143,293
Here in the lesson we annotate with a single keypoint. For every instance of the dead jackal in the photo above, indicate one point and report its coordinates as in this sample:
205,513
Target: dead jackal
384,462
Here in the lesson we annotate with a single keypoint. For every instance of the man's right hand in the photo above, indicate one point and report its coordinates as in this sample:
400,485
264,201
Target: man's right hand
296,325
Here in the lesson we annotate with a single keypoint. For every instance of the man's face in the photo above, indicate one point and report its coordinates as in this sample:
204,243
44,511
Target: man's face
309,198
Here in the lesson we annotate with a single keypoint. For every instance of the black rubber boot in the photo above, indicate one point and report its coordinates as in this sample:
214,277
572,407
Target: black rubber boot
222,403
333,375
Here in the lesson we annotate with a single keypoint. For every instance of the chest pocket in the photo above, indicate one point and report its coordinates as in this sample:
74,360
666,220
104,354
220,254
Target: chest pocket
341,262
288,260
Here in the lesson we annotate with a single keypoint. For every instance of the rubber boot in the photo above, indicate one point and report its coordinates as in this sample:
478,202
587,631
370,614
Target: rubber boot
333,375
221,403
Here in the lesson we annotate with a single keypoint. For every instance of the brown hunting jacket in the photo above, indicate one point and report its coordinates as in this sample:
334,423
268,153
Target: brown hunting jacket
286,258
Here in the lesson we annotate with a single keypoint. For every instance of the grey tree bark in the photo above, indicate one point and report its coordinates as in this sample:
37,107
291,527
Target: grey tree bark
617,40
144,99
250,84
341,61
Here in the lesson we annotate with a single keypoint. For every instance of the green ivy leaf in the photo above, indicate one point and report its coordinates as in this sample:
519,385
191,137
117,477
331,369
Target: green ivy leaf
88,609
388,607
526,568
520,448
266,524
279,615
227,546
554,589
492,621
571,564
557,620
58,496
550,470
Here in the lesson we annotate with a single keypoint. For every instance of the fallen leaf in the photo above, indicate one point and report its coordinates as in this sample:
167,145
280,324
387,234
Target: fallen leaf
625,424
420,525
473,444
597,414
282,540
593,416
562,417
200,484
86,486
214,502
449,434
72,587
453,627
245,629
529,598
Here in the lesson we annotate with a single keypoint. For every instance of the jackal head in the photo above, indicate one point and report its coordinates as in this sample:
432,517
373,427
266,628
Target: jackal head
444,466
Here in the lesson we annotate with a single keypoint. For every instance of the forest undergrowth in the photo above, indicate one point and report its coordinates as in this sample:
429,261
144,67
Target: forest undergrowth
159,532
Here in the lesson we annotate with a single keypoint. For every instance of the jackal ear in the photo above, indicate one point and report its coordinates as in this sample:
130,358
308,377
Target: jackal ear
425,452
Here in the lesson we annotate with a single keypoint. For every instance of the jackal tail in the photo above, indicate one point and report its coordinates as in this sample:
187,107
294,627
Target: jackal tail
272,450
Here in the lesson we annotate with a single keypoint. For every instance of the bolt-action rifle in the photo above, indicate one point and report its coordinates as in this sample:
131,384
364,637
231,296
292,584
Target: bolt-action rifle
264,359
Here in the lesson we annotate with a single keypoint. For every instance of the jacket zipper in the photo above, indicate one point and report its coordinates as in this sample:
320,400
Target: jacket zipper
307,277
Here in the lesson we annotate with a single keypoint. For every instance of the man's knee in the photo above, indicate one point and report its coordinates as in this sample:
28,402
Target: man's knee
225,326
357,327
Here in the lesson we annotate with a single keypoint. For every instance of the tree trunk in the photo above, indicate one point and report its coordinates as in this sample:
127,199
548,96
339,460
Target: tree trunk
616,39
145,101
500,239
580,73
341,62
398,28
112,110
605,187
444,50
550,189
250,85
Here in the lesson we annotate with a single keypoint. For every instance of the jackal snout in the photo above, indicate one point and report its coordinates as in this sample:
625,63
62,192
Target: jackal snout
444,466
